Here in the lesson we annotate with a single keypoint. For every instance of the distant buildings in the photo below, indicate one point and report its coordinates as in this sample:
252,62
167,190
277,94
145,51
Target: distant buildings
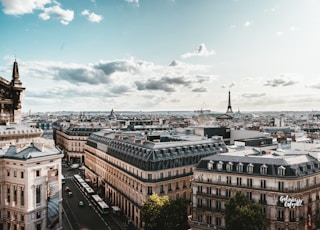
30,175
128,167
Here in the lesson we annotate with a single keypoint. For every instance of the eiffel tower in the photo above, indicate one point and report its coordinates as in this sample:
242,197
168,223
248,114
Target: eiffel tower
229,109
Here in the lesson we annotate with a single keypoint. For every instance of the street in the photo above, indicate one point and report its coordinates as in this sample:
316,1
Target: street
84,217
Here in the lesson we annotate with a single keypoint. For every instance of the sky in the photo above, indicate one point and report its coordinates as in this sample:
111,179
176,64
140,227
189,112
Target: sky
166,55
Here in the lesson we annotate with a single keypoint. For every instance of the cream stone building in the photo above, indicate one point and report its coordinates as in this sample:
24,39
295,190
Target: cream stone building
30,168
71,141
284,182
128,167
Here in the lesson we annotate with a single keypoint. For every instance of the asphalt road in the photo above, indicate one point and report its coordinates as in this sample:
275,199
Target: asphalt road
85,217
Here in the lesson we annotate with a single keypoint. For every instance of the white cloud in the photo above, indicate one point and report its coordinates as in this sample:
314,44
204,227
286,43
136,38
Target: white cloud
20,7
248,24
201,52
279,33
135,2
116,80
92,17
65,16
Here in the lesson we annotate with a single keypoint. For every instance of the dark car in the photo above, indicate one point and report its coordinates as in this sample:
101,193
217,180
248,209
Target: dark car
67,189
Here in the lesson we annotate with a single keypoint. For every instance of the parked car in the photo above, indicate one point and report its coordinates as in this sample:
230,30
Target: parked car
67,189
70,194
81,203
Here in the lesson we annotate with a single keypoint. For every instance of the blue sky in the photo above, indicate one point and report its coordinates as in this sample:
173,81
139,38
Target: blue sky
147,55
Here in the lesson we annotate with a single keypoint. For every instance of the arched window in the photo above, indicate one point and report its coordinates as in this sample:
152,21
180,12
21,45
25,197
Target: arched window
281,171
264,169
250,168
229,167
240,167
219,166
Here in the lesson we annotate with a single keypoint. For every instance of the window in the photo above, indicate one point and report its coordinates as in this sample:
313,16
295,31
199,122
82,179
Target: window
249,182
218,221
22,176
263,169
218,191
15,173
208,219
200,218
219,166
199,189
39,226
262,198
22,218
38,194
281,171
250,168
228,193
161,189
149,190
199,202
218,205
263,183
240,167
229,167
177,185
8,193
161,175
228,179
22,197
8,172
208,190
15,194
169,187
292,215
39,215
239,181
37,173
281,186
169,174
149,176
281,214
249,195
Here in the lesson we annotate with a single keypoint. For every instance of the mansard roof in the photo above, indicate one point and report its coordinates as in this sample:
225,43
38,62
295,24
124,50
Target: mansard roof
135,148
34,150
294,163
81,131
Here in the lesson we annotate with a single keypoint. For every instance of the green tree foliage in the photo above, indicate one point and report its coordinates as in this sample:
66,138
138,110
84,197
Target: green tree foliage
242,214
159,213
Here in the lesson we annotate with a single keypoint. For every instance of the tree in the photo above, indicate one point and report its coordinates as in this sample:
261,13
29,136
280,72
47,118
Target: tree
242,214
158,213
175,215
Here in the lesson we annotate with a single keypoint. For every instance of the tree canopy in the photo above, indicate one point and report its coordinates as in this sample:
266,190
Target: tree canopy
242,214
159,212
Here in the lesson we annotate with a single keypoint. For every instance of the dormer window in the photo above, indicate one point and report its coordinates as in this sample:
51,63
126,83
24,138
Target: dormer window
264,169
210,165
219,166
229,167
240,167
250,168
281,171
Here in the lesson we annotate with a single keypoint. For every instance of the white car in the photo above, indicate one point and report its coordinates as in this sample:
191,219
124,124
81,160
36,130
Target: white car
81,203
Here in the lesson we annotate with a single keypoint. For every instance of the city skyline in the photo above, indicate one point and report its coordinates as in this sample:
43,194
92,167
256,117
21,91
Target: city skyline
171,55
